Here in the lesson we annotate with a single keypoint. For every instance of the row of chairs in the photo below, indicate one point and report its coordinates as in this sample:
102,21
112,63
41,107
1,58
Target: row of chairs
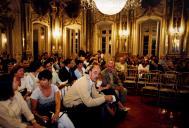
155,83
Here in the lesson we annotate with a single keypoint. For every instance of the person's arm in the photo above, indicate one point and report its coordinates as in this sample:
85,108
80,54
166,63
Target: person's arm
85,96
57,109
77,74
95,93
34,107
34,104
24,107
8,122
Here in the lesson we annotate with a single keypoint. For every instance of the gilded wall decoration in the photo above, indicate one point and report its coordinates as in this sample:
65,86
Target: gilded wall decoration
103,17
68,21
158,8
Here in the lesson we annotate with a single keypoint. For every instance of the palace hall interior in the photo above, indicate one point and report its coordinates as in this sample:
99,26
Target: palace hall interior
94,63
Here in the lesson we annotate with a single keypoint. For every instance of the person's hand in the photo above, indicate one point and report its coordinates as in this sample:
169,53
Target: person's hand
45,119
108,86
108,98
54,117
100,88
119,88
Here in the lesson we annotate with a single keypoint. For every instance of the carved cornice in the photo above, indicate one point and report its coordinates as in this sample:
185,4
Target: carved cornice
103,17
158,10
35,17
69,21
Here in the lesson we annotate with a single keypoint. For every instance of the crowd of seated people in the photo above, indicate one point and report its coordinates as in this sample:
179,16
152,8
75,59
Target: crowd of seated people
40,83
88,93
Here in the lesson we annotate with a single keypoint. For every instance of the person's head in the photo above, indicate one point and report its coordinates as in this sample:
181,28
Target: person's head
24,63
6,87
35,66
144,63
111,65
79,63
45,78
17,71
122,60
46,56
48,64
69,63
94,71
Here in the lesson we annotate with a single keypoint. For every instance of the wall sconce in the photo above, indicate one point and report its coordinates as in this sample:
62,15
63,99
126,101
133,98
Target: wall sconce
42,37
124,33
60,47
23,42
176,28
176,31
56,33
176,34
4,40
53,47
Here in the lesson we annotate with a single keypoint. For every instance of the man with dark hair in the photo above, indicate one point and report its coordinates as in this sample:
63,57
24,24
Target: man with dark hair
55,78
66,73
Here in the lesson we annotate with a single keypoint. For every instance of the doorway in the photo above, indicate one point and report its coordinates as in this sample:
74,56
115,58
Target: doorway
149,43
40,40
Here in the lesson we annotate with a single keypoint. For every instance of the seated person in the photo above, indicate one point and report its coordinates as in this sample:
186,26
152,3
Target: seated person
105,89
55,78
66,73
46,102
121,68
31,78
110,77
143,68
12,106
80,70
19,81
83,100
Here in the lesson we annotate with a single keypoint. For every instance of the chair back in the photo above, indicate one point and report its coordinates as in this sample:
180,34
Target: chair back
184,81
153,78
131,74
169,80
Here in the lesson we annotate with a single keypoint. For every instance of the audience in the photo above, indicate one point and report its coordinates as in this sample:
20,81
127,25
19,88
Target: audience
88,94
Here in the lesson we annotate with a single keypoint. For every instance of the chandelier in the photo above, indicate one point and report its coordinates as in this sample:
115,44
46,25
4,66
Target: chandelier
110,7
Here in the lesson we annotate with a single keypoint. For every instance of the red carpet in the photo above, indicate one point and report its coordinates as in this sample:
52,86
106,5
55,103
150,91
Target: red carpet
143,115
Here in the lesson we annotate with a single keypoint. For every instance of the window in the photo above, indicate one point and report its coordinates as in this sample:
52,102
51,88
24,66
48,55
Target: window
106,41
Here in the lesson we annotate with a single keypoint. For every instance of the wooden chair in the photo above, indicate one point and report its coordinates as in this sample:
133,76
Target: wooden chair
168,87
152,83
183,86
131,79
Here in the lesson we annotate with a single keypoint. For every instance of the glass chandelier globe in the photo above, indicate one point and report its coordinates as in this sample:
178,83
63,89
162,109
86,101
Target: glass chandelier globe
110,7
